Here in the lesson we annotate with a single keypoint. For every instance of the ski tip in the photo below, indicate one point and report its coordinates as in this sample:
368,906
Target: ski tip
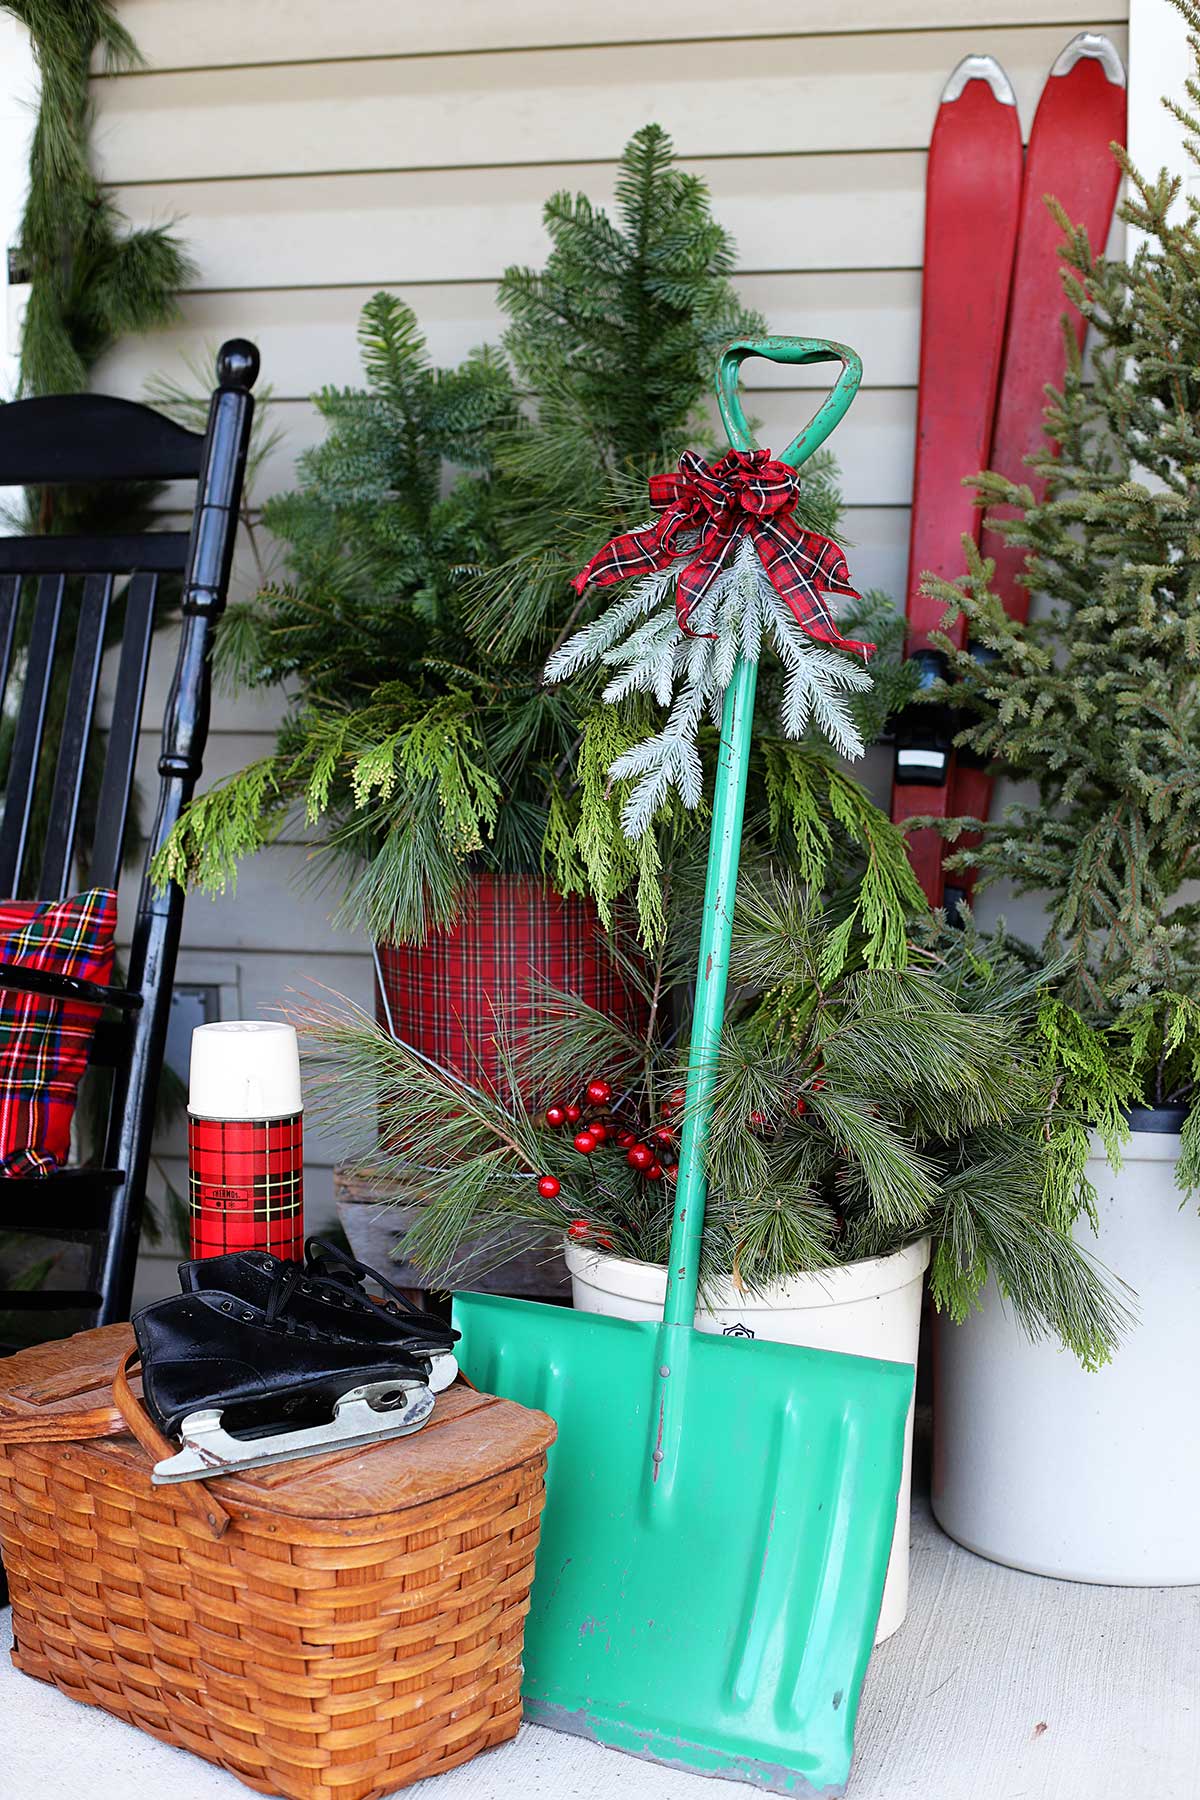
1100,49
984,68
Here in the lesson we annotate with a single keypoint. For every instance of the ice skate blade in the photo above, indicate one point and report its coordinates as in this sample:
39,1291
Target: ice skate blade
443,1371
208,1451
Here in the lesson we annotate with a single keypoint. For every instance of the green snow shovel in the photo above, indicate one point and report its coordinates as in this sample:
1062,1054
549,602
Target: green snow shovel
719,1512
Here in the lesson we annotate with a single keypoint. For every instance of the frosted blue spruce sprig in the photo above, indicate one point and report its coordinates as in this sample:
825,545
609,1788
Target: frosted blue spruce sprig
640,639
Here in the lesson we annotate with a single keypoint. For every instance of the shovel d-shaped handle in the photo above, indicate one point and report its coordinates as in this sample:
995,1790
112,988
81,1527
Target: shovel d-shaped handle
787,350
729,805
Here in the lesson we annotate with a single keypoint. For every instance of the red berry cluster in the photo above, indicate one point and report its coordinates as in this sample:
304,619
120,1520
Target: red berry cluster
652,1154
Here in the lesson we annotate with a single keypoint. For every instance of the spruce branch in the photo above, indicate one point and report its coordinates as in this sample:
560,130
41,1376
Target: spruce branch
1093,700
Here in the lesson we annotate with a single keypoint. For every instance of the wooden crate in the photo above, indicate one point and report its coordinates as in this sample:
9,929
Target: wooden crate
375,1221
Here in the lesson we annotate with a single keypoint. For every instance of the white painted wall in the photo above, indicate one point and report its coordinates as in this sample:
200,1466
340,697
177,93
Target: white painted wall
312,153
1159,65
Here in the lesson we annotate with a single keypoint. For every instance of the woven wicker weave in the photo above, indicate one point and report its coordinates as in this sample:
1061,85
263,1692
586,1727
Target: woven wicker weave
358,1625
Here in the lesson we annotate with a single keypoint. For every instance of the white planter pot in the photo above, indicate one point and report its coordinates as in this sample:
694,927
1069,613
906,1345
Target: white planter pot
1085,1477
864,1309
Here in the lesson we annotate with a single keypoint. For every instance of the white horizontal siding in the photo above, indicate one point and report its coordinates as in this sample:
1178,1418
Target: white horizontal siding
407,227
183,34
306,331
786,95
313,153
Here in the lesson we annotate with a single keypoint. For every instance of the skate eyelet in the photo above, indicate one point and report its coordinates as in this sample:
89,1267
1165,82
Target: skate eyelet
306,1287
247,1315
227,1306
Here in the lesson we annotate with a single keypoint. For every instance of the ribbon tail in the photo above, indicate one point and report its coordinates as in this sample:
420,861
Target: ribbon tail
701,572
632,553
781,550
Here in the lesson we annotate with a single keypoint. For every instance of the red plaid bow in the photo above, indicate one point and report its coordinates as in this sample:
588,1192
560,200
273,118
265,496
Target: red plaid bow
745,492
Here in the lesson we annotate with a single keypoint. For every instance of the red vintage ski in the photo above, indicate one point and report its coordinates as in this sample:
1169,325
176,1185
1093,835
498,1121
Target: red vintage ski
1081,112
972,203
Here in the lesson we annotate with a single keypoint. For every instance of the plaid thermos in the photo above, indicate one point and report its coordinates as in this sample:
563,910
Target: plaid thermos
245,1140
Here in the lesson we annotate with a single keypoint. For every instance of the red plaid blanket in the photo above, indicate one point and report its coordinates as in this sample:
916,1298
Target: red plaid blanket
44,1043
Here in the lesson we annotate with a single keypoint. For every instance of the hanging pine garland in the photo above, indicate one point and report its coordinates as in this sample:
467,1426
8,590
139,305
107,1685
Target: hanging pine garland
92,279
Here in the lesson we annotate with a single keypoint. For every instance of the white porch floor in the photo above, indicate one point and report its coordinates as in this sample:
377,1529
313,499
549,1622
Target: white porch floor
1000,1686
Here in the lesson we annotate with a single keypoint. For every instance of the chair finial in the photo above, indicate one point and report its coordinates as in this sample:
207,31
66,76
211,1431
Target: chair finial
238,364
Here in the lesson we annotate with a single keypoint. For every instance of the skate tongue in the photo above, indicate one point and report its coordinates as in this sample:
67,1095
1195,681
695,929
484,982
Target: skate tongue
369,1414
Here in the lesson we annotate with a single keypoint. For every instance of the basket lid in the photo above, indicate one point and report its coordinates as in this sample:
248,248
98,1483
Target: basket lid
470,1438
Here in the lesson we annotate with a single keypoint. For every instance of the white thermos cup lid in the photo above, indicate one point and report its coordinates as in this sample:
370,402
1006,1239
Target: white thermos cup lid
244,1069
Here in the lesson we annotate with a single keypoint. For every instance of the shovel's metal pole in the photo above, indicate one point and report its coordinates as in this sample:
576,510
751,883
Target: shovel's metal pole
712,975
729,805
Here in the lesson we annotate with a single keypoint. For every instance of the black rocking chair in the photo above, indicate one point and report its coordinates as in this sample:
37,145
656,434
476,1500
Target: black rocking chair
85,439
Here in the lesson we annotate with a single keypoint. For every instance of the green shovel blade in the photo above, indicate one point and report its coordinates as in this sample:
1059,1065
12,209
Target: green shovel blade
706,1598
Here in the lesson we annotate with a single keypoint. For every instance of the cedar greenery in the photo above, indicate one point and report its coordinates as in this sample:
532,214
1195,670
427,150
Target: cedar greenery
857,1110
415,623
1096,699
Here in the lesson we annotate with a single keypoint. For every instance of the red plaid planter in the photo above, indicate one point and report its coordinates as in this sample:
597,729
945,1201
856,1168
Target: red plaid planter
44,1044
246,1186
444,996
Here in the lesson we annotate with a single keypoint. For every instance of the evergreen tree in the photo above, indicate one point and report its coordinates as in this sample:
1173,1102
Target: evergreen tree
385,743
1096,699
612,345
414,623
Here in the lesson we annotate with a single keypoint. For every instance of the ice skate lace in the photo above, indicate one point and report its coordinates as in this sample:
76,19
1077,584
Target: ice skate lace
329,1268
337,1279
286,1277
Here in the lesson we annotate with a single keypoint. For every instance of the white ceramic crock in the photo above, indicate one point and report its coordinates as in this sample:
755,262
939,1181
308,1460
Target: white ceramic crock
1086,1477
864,1309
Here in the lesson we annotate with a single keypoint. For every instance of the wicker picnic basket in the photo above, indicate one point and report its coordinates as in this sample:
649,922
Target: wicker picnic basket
328,1629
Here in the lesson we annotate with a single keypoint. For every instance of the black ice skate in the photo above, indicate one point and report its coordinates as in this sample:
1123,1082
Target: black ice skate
329,1292
243,1390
